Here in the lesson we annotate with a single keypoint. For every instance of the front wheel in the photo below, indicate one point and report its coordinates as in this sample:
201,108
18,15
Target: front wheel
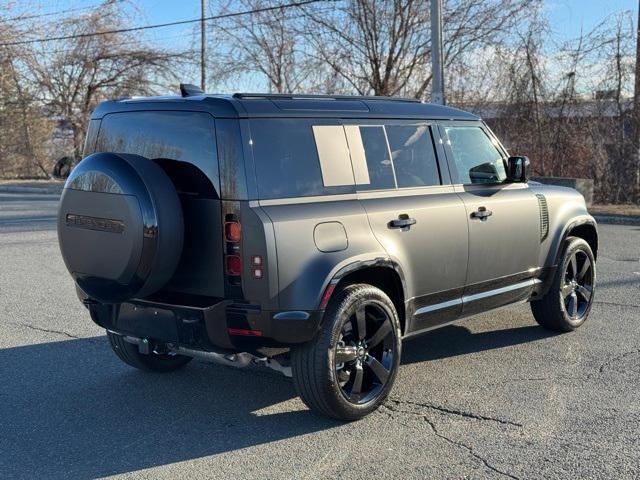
349,368
568,303
151,362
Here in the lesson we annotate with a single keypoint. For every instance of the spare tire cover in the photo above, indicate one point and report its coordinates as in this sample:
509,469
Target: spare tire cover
120,226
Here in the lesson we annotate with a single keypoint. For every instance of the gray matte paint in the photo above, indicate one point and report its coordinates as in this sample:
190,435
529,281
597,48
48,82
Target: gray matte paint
506,242
566,208
78,245
433,252
330,237
303,271
442,256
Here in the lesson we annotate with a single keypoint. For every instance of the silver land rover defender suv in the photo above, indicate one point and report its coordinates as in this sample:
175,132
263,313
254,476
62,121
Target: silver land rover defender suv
310,234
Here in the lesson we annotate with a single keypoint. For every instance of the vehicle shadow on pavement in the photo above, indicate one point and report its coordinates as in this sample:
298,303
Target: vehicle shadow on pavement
71,409
458,340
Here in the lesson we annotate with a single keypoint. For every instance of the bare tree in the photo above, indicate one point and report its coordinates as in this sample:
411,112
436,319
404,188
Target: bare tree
617,43
373,47
23,129
267,43
569,109
383,48
73,75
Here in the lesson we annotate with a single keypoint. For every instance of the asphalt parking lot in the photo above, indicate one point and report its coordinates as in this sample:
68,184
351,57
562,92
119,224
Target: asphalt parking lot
490,397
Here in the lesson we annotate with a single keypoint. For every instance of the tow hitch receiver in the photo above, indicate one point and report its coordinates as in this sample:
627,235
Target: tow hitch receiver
142,343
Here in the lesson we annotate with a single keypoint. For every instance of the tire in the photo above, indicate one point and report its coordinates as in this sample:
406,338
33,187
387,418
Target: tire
153,362
568,302
328,369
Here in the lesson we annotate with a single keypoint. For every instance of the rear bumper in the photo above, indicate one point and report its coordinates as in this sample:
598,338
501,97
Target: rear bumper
211,328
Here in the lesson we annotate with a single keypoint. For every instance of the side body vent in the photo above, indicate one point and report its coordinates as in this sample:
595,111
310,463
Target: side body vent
544,216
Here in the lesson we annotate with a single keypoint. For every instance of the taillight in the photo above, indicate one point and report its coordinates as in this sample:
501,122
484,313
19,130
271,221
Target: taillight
232,258
233,264
232,231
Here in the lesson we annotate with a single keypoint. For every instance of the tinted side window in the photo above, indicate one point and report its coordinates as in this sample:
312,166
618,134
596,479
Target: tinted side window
476,158
183,143
379,164
414,157
286,158
90,140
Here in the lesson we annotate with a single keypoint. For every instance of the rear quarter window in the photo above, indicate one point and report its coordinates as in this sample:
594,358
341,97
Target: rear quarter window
287,162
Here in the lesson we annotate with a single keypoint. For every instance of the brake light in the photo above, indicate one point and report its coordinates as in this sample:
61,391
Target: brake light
233,264
232,231
232,252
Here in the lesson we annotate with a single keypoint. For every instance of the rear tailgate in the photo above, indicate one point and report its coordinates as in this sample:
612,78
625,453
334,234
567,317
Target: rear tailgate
184,144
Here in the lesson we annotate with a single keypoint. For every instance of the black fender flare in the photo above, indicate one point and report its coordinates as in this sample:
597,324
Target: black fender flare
569,227
360,264
556,250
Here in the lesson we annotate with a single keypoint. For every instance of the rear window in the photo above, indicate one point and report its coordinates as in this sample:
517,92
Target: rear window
183,143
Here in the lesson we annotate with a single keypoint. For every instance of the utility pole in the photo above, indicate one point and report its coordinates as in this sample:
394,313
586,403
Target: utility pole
437,71
203,41
636,110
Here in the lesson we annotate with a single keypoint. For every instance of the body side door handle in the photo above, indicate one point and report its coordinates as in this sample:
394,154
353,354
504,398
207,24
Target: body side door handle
403,221
482,213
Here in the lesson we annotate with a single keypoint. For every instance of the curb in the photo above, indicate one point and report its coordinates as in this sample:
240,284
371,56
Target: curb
617,219
44,190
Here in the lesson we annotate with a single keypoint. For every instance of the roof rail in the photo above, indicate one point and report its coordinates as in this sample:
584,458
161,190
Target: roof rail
304,96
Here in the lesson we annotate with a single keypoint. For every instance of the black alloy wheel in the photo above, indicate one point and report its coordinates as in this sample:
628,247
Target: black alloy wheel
349,368
364,354
568,302
577,289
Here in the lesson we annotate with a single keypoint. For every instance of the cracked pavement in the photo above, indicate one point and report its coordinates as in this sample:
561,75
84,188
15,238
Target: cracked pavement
490,397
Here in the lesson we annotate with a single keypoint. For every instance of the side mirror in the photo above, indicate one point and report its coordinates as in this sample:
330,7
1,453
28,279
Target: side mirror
518,169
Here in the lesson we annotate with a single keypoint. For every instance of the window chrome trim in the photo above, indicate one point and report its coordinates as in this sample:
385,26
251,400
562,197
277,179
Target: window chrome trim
311,199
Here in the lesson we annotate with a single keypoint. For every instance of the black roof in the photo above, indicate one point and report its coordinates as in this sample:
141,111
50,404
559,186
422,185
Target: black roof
245,105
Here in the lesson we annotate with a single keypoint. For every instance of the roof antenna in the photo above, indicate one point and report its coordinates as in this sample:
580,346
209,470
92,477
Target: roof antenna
188,90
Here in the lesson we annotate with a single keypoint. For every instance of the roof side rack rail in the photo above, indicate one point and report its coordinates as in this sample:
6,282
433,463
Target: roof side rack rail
303,96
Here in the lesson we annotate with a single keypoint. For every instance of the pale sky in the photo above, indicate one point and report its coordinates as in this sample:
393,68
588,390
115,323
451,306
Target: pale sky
567,16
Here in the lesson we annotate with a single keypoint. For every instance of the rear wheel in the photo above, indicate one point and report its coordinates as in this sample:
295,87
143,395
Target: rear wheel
568,303
348,370
154,361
